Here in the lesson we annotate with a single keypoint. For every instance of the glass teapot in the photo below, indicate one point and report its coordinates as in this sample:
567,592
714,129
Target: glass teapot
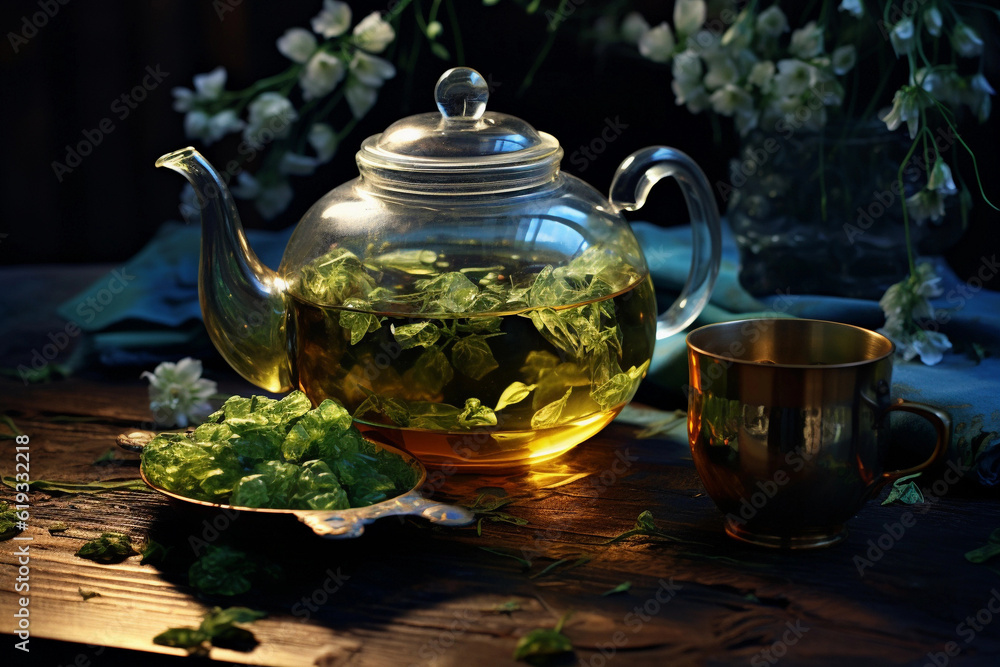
465,299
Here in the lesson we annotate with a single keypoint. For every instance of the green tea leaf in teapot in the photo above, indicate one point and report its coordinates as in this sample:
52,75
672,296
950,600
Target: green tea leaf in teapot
472,356
433,416
514,393
536,363
392,408
619,388
481,325
554,328
554,382
550,414
333,278
431,370
411,262
476,414
357,321
417,334
451,292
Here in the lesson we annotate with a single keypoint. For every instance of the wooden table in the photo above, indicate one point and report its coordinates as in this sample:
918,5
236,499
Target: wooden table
407,593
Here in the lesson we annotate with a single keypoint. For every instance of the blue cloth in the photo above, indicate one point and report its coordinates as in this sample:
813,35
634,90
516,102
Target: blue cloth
963,384
164,291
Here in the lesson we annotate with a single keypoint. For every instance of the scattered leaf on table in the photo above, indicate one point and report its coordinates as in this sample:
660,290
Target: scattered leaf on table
108,548
905,490
543,642
10,525
984,553
106,457
508,607
219,626
580,560
86,595
623,587
49,486
58,527
525,563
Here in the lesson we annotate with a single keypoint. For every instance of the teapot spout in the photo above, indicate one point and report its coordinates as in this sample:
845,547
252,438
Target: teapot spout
243,302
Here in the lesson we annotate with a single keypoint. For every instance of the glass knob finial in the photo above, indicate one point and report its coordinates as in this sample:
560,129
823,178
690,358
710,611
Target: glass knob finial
461,94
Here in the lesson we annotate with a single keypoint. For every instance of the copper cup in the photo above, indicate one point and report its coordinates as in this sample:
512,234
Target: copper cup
787,421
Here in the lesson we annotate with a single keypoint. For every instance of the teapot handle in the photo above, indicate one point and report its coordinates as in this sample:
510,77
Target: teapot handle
636,175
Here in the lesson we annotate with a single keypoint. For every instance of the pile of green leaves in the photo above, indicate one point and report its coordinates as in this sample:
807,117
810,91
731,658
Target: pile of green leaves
284,454
457,316
108,548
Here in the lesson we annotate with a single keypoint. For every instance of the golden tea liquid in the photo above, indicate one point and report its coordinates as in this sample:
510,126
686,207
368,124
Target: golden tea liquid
500,389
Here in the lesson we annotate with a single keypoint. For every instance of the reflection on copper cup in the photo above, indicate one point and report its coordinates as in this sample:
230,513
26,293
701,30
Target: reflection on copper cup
787,421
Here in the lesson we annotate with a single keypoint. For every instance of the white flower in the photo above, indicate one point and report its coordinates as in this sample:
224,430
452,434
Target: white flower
730,100
321,75
772,21
692,94
930,346
270,200
942,87
762,75
373,33
210,85
633,27
940,179
794,77
927,282
360,98
905,108
199,125
925,205
657,44
807,41
324,141
977,96
207,87
689,16
966,41
274,199
687,67
721,71
247,187
853,7
333,20
178,395
371,70
901,37
269,112
297,165
297,44
933,21
843,59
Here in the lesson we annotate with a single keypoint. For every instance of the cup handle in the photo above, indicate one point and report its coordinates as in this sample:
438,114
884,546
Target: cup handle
941,422
636,175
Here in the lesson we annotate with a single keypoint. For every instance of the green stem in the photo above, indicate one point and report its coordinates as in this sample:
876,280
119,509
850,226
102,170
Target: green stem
906,215
543,54
457,31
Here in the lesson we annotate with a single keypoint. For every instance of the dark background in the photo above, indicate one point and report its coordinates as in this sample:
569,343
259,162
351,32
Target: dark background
65,79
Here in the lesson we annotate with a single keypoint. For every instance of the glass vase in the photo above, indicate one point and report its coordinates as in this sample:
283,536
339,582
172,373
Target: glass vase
821,212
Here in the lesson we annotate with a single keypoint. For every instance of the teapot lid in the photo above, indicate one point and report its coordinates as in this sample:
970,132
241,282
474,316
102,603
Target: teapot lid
463,149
